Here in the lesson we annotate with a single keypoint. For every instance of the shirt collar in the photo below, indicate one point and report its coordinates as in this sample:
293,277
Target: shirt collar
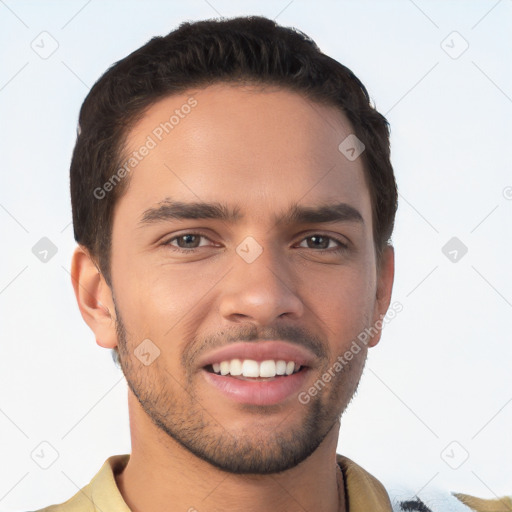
103,490
363,492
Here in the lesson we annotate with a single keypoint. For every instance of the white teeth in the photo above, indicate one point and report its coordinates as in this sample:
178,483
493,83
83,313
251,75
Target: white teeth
268,369
250,368
224,367
280,367
235,367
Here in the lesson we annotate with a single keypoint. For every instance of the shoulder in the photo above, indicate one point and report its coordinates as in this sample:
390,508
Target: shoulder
364,490
101,493
442,500
80,502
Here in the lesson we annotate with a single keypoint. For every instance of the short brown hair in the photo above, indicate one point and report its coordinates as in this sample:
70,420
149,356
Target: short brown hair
250,49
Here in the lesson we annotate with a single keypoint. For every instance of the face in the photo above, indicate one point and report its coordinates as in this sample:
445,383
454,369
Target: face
248,298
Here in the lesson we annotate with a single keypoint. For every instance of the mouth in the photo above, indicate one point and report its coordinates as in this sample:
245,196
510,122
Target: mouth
262,373
249,369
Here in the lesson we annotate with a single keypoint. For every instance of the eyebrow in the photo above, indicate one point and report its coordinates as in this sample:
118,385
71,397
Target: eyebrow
296,214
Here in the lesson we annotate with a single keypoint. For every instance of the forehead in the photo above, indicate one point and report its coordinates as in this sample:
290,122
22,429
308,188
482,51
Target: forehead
259,148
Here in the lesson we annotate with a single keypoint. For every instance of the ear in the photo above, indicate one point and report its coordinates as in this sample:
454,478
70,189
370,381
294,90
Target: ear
385,277
94,298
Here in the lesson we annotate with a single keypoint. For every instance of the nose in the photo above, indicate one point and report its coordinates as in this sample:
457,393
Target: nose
260,291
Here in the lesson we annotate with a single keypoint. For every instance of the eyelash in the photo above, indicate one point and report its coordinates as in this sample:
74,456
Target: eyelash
341,248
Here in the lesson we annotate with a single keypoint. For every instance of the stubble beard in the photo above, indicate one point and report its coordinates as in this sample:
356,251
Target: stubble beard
174,409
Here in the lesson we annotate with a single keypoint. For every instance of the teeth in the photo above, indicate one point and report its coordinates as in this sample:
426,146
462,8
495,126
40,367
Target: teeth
251,368
235,367
268,369
224,367
280,367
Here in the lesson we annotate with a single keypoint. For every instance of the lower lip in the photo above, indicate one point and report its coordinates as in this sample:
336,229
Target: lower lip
258,392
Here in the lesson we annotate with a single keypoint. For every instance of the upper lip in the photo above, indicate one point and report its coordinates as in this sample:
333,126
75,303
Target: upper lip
259,351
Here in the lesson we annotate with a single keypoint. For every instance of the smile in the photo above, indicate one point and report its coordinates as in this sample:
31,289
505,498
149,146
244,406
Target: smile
254,369
258,373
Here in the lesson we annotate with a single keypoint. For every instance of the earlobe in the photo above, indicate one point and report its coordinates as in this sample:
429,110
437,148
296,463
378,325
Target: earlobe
385,278
94,297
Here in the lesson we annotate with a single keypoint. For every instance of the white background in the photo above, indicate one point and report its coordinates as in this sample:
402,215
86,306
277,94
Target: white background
442,370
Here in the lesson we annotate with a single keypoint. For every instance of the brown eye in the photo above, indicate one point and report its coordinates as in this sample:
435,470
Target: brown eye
189,241
322,242
186,242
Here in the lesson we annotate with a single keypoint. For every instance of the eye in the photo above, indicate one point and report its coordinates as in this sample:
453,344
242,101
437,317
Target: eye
187,242
322,242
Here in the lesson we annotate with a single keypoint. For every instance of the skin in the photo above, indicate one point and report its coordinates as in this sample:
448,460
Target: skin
261,151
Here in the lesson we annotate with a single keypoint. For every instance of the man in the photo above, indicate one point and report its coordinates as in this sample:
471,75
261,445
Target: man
233,201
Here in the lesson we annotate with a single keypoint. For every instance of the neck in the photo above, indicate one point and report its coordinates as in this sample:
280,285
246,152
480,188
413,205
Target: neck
162,476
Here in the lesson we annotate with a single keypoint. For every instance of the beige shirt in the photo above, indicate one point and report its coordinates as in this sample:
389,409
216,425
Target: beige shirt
363,492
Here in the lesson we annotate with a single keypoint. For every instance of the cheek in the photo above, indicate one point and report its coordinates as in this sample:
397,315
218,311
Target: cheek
159,291
167,306
347,305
